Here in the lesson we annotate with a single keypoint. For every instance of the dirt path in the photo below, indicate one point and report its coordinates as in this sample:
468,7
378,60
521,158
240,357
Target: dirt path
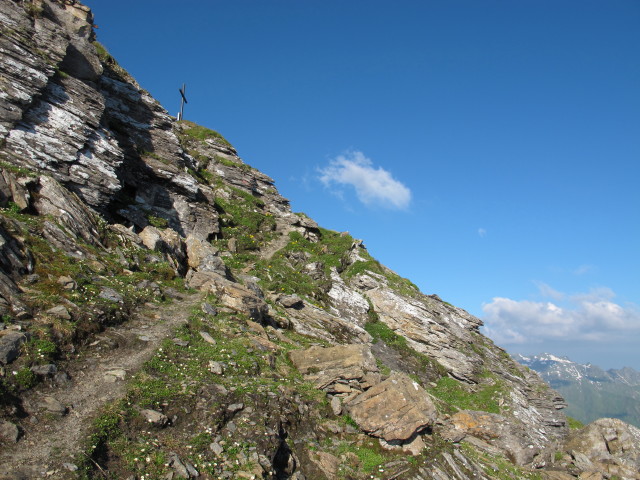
96,379
277,243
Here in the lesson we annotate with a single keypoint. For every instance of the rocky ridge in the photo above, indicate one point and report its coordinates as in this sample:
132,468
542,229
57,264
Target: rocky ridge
306,358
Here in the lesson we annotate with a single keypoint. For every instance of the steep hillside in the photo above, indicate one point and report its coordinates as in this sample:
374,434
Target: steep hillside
590,391
166,315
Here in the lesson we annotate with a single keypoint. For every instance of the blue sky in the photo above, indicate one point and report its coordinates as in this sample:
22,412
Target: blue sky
489,151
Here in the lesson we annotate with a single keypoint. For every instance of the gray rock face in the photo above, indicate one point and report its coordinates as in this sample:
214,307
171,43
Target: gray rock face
431,328
347,302
15,262
56,201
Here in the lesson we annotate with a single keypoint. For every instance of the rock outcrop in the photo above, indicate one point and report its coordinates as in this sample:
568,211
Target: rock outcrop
308,358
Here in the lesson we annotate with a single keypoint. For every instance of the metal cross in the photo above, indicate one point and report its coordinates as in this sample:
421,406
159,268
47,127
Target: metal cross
183,92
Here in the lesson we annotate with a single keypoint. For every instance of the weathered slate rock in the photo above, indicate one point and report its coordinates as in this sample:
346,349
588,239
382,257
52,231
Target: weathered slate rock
59,311
350,304
203,257
506,435
10,346
110,294
612,446
290,301
154,417
230,294
55,200
325,366
182,469
326,462
169,242
395,409
207,337
45,370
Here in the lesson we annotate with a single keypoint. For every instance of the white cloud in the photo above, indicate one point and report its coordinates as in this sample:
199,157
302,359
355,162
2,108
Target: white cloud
482,232
547,291
372,185
590,316
583,269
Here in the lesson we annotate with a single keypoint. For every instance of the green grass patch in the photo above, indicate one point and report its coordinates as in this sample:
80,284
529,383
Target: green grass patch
15,169
401,285
175,377
370,455
574,424
498,467
230,163
202,133
460,396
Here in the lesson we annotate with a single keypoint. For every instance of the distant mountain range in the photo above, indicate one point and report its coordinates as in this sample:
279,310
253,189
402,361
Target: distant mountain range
590,391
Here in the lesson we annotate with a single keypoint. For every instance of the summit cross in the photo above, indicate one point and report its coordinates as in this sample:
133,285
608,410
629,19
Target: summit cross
183,93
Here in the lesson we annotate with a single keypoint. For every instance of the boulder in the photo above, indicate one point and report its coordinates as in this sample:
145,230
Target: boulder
167,241
326,462
203,257
52,405
154,417
59,311
290,301
111,295
395,409
611,445
230,294
9,432
10,346
48,370
14,189
67,282
326,366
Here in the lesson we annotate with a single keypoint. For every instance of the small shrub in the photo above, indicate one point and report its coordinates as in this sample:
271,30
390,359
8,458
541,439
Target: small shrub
12,209
25,378
157,222
455,394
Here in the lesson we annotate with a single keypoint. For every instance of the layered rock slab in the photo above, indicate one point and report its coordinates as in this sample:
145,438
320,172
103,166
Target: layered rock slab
489,431
326,366
395,409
